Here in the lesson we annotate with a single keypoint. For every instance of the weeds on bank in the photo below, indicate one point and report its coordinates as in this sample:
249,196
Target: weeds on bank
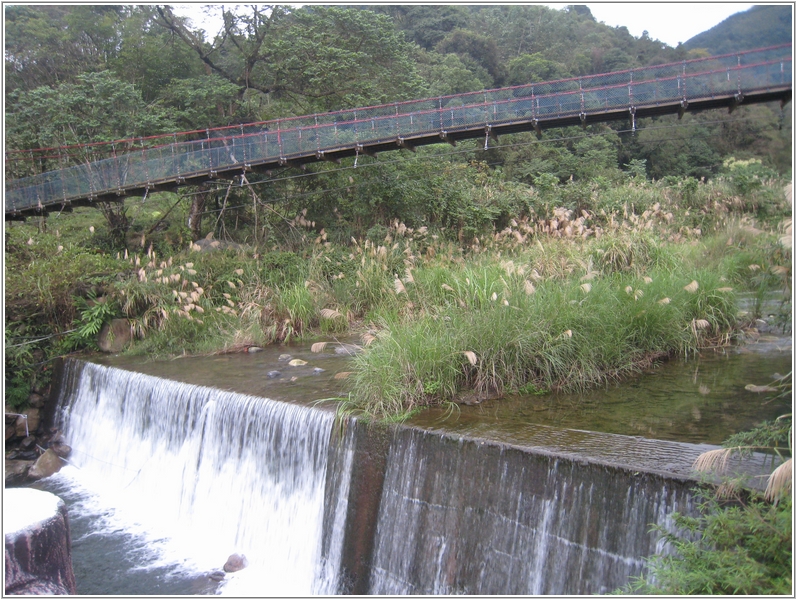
561,297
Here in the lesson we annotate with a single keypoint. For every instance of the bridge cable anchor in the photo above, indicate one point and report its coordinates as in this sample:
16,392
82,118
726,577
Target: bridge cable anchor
736,101
682,108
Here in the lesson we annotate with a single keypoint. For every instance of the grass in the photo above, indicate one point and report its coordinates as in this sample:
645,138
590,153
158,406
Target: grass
557,301
566,335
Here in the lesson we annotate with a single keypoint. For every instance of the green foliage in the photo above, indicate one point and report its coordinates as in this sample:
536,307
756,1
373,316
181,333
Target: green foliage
561,335
531,68
94,313
739,550
334,57
738,545
96,107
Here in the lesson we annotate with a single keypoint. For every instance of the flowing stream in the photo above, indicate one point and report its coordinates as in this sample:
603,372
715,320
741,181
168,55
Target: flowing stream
187,462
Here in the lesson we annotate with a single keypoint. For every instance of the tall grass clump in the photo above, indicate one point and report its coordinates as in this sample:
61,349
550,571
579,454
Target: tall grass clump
500,333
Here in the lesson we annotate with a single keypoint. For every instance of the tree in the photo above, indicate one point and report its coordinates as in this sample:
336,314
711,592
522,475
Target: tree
150,56
426,25
480,49
51,44
96,107
447,74
531,68
240,50
327,58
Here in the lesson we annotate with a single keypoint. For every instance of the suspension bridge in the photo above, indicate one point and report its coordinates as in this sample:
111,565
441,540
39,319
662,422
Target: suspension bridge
140,166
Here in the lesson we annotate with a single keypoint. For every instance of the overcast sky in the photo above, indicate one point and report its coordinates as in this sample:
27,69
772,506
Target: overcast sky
669,22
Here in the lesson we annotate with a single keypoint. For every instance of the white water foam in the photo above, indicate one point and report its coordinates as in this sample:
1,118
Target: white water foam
202,474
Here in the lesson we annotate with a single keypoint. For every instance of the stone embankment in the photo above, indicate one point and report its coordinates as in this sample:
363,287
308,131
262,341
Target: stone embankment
33,450
38,553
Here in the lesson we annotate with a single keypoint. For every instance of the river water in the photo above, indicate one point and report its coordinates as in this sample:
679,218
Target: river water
119,550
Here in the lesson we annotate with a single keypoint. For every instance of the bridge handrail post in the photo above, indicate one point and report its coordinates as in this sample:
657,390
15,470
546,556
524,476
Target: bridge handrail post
631,89
683,89
175,159
146,162
210,154
739,75
398,124
244,145
118,168
279,140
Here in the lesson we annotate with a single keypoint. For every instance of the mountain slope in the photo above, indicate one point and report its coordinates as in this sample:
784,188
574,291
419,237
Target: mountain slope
758,27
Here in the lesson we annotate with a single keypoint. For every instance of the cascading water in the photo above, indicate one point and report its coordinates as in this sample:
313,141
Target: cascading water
475,518
203,473
192,474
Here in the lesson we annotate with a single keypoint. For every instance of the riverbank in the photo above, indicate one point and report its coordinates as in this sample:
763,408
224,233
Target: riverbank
560,299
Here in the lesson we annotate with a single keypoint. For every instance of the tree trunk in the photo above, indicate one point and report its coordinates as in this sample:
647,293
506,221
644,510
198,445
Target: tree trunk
197,208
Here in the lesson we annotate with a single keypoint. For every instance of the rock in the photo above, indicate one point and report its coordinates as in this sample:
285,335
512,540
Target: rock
254,349
11,431
28,423
36,400
217,575
348,350
317,371
235,562
38,550
62,450
114,336
285,357
273,374
207,245
17,471
297,362
56,437
47,464
472,397
28,443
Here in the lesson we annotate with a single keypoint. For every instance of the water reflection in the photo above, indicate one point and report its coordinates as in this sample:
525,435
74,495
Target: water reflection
701,400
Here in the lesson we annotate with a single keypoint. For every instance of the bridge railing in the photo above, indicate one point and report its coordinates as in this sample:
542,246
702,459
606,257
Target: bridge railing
281,140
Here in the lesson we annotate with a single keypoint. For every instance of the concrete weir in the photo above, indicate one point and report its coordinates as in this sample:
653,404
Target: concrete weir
356,508
451,515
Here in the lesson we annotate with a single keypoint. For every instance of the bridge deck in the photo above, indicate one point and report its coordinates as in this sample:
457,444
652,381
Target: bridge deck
727,81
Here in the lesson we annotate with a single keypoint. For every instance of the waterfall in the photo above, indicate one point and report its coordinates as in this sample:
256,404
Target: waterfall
320,506
206,473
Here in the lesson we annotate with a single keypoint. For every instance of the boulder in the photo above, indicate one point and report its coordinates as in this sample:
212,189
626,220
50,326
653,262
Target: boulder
29,443
38,553
47,464
61,449
114,336
236,562
17,471
28,422
36,400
